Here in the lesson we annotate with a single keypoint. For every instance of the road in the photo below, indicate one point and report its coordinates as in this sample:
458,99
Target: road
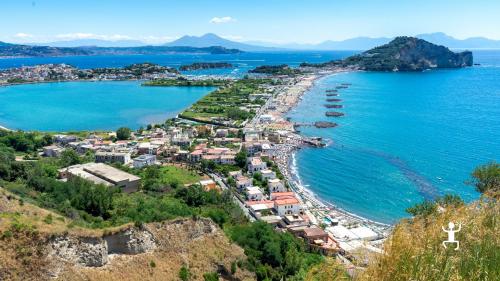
236,200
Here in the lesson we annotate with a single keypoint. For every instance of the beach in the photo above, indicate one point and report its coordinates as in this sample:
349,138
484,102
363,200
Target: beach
318,210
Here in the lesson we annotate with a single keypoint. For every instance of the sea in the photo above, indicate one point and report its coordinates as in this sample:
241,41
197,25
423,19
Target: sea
404,138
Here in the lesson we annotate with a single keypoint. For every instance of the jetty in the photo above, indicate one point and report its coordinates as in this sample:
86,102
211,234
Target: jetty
331,95
334,114
331,91
333,106
333,100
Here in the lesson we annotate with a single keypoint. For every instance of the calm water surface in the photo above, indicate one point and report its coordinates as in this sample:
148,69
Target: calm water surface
91,105
405,137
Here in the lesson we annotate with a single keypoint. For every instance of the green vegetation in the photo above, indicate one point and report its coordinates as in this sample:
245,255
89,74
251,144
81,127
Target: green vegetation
23,141
212,276
281,69
123,133
184,273
428,208
222,106
164,178
183,82
486,179
273,255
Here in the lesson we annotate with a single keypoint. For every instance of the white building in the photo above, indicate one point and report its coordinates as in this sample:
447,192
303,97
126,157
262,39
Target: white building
268,174
99,173
52,151
144,160
243,182
286,204
111,157
276,185
254,193
255,164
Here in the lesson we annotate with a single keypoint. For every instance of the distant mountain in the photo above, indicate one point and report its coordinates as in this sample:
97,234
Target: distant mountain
365,43
15,50
92,42
469,43
409,54
211,39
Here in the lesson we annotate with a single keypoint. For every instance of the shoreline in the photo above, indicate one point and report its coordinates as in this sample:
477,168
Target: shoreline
285,158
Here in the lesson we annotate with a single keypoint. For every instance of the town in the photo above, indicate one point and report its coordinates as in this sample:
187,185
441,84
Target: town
248,156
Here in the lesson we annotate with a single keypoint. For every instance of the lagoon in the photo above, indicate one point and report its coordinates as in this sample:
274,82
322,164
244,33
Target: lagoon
71,106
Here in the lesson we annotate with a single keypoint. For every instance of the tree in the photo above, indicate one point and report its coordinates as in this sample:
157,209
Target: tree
241,158
486,179
69,157
123,133
212,276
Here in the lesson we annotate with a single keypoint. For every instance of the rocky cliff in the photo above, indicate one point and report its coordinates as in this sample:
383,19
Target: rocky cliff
409,54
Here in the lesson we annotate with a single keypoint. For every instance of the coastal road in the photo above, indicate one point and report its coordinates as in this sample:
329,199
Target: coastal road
236,200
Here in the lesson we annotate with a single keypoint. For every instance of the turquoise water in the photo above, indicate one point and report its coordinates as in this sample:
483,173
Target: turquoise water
405,137
91,105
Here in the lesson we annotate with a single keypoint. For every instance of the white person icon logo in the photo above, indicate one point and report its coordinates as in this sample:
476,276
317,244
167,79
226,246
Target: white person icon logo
451,234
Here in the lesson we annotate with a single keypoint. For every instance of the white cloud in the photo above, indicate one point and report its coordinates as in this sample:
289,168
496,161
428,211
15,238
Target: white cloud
72,36
23,35
219,20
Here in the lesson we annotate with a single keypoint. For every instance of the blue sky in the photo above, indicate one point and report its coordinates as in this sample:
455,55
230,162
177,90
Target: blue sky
279,21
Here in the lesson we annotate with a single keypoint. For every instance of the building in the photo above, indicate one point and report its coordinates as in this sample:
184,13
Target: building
243,182
254,193
208,184
255,164
144,160
64,139
52,151
235,174
286,204
100,173
276,185
268,174
112,157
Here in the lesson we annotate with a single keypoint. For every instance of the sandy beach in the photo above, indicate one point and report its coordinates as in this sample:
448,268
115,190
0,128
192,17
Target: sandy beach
284,156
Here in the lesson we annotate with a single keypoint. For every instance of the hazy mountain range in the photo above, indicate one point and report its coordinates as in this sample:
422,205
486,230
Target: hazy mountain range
357,43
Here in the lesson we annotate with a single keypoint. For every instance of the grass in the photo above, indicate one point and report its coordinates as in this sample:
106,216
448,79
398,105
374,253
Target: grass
182,175
414,250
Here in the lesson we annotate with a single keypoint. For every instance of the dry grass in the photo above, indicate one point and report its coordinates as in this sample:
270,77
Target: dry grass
415,252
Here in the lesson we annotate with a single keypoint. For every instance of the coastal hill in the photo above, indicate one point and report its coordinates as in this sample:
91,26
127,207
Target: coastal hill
403,54
409,54
16,50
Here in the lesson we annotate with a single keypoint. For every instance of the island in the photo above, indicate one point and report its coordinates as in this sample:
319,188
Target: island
204,65
402,54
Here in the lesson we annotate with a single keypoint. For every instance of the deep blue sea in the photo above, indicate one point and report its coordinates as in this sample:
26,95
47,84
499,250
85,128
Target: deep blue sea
405,137
69,106
241,62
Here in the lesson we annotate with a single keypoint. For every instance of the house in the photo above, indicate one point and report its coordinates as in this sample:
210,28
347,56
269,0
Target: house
227,159
208,184
221,133
111,157
100,173
268,174
254,193
196,155
235,174
260,208
276,185
266,118
315,235
243,182
255,164
52,151
144,160
64,139
286,205
148,148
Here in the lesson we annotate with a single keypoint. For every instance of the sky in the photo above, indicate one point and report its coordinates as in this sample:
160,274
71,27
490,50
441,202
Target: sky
277,21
